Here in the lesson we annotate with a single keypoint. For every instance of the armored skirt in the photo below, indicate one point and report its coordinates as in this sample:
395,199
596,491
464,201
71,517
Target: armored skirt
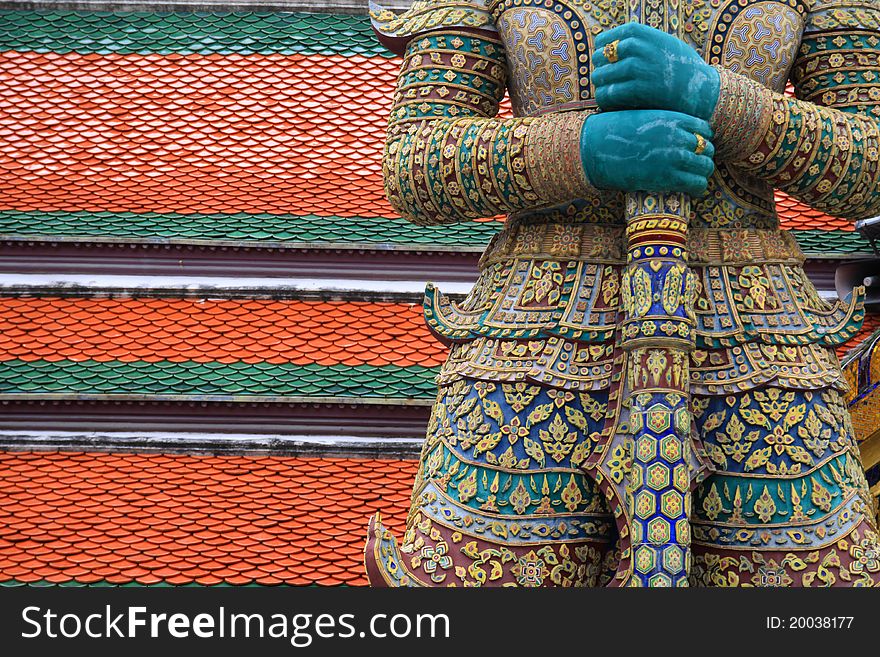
523,477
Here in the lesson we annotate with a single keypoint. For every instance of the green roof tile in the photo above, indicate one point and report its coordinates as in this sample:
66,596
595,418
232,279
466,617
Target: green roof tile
102,32
832,241
237,228
223,379
278,230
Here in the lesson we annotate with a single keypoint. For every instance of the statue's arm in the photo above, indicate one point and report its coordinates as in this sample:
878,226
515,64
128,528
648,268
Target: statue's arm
447,158
822,146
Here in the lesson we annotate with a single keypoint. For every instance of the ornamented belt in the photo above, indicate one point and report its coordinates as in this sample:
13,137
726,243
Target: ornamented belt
607,244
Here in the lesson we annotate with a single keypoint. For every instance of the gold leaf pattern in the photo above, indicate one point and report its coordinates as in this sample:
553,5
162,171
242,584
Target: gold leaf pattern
758,458
557,440
672,289
765,507
641,292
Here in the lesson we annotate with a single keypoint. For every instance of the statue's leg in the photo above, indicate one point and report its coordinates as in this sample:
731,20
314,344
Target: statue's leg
789,504
499,498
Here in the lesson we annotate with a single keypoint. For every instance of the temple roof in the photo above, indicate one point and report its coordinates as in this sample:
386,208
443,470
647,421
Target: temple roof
87,518
205,33
155,348
213,433
243,229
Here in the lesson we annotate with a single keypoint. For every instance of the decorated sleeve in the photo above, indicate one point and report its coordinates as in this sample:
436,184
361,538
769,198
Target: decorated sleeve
449,159
821,146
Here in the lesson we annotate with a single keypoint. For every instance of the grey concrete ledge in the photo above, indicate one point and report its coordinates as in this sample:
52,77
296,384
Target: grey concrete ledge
262,245
76,285
338,269
208,443
319,418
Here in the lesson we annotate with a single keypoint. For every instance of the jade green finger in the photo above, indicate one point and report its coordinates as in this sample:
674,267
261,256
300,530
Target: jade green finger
697,164
689,183
624,70
619,32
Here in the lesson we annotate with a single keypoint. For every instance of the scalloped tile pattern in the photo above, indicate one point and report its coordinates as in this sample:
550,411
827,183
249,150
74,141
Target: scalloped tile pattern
216,331
278,134
794,215
228,382
870,324
246,33
819,241
266,230
176,519
240,228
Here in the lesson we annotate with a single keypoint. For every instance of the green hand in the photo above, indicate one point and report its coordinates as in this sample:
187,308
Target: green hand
647,150
654,70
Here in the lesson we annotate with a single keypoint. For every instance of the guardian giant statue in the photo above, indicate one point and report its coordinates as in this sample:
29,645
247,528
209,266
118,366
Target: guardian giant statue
642,387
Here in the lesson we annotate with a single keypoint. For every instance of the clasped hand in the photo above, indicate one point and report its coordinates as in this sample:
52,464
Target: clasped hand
655,99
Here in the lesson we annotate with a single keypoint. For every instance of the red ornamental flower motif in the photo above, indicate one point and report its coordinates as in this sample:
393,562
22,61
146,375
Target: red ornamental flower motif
565,239
603,243
779,438
514,430
483,388
698,245
530,571
528,239
560,397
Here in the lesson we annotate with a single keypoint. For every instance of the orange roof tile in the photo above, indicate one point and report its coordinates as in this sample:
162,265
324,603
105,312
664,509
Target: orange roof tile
281,134
124,535
794,215
869,326
251,331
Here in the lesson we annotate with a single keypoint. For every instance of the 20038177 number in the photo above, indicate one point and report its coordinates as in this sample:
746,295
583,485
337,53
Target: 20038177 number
810,622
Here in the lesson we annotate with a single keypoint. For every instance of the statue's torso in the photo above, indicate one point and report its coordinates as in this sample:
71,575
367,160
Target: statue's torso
549,47
549,44
544,319
552,276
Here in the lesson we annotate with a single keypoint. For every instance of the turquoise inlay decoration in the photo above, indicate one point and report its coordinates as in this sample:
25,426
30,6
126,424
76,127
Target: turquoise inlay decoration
768,500
509,493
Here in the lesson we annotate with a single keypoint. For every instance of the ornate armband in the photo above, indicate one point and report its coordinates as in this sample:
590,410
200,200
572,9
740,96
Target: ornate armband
823,156
448,159
741,117
553,157
396,30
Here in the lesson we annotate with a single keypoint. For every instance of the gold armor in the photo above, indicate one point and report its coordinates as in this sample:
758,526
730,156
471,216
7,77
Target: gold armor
529,420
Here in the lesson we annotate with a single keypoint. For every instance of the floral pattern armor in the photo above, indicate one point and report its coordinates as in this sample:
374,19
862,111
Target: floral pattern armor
526,475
